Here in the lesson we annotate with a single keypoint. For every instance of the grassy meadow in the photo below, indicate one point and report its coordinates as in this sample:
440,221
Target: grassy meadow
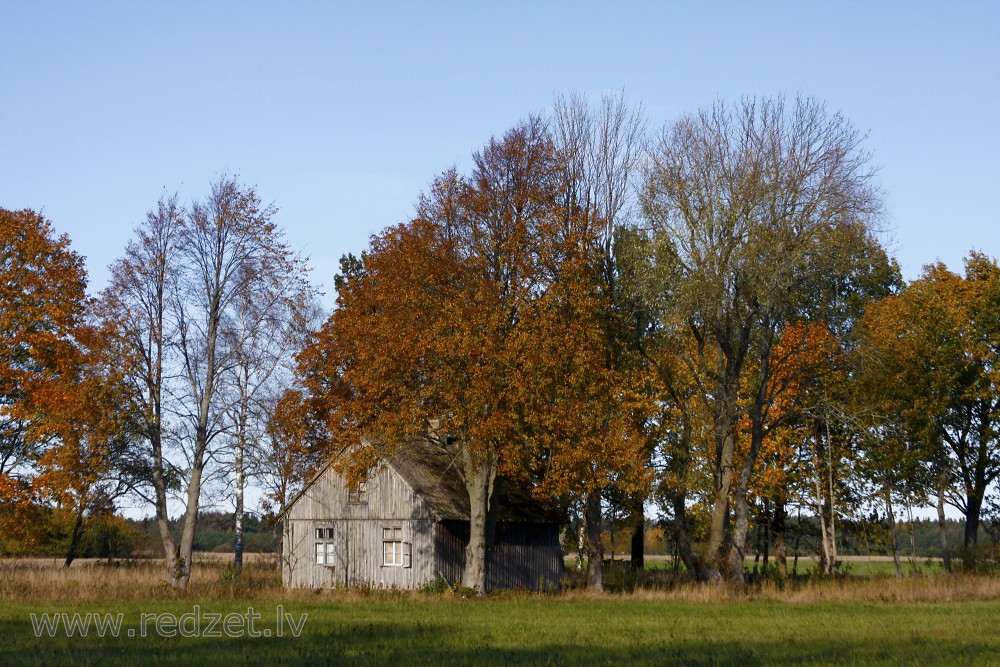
922,619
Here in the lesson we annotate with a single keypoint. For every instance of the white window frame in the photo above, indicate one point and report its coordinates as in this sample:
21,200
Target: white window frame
324,551
395,551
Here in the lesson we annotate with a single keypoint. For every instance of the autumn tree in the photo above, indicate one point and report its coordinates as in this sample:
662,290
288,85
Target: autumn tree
136,310
749,204
82,414
931,364
431,323
270,316
42,304
591,367
42,301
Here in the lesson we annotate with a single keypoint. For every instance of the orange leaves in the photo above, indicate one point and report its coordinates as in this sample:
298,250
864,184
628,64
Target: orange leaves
486,312
42,297
55,376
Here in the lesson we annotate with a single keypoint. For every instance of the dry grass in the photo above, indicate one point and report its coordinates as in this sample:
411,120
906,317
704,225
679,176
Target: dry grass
213,578
909,589
99,580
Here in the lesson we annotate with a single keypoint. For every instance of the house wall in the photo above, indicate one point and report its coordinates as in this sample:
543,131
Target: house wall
357,552
526,555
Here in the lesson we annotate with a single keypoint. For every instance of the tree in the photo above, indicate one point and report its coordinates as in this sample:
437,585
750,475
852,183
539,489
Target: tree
135,308
932,356
750,204
42,302
180,303
432,324
83,413
591,367
42,305
271,312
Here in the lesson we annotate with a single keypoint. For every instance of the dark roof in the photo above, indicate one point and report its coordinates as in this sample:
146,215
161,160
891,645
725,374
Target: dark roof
433,470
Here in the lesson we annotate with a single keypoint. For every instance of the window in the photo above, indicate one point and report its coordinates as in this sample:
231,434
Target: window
325,546
358,494
395,552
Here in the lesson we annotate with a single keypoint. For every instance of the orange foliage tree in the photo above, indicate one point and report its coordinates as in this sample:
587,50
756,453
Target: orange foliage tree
431,323
42,303
752,205
484,315
83,412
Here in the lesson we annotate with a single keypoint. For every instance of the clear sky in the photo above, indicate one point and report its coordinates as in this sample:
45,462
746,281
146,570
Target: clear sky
342,113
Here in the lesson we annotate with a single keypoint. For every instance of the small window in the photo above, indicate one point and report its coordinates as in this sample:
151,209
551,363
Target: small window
395,552
358,494
325,548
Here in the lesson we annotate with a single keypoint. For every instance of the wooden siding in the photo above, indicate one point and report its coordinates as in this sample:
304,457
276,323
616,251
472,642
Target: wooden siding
526,555
357,534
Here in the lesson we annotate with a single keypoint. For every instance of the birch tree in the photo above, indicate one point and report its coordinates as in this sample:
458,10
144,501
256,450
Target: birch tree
184,300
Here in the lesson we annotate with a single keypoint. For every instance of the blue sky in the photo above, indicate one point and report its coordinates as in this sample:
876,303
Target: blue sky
342,113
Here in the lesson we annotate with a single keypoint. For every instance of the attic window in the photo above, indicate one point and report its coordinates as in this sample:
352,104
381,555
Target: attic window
358,494
395,552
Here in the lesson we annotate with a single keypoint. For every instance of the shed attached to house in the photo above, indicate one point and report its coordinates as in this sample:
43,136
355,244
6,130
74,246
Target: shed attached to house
407,526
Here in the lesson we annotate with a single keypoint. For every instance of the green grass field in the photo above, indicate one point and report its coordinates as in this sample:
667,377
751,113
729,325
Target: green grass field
527,629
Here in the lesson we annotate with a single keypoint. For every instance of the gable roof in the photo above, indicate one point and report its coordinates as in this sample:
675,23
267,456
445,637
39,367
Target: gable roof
433,470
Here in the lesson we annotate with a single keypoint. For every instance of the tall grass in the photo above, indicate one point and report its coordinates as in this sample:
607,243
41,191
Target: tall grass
141,579
213,578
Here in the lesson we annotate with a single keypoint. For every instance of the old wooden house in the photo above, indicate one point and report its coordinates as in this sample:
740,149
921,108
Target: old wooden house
407,526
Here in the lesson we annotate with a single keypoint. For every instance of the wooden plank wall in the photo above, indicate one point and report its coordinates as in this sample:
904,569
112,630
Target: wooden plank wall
358,534
525,556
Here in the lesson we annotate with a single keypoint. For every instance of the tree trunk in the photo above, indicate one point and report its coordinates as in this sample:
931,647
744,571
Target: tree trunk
823,483
766,526
595,549
798,539
170,549
638,542
943,530
726,447
778,529
238,518
911,529
974,506
480,477
892,529
741,502
679,465
681,536
185,551
74,539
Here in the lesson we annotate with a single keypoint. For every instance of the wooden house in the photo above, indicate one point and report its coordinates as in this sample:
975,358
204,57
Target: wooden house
407,526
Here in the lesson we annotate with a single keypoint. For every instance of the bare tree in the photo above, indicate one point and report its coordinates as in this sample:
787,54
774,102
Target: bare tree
271,311
601,147
194,301
136,305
